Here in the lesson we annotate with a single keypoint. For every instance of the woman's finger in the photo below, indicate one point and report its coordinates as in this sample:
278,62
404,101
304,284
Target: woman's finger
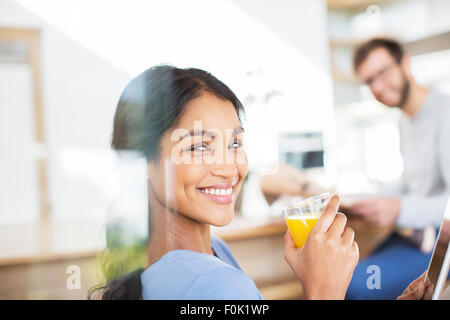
327,217
338,225
289,243
348,236
356,248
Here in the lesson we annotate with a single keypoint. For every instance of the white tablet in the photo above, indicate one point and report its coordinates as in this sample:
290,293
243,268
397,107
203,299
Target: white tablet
439,265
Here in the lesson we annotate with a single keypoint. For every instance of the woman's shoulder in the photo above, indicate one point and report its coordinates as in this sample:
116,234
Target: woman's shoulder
222,284
185,274
195,262
187,262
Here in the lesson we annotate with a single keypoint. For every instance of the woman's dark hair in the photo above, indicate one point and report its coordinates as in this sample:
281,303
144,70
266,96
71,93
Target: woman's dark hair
150,104
362,52
155,100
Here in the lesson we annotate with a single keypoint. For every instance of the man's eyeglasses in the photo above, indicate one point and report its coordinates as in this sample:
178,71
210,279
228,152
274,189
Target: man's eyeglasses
380,74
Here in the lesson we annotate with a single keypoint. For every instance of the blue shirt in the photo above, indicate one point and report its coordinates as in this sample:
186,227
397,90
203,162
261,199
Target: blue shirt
191,275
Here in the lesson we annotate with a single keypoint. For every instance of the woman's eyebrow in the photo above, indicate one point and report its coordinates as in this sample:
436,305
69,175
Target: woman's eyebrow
209,133
197,133
238,131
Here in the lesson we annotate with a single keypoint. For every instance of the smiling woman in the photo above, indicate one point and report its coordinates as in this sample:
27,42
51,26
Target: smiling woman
187,124
201,188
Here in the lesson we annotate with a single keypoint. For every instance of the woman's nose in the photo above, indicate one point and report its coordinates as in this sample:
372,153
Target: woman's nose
225,170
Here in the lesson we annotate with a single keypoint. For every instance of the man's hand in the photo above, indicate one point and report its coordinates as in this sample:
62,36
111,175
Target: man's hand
381,212
419,289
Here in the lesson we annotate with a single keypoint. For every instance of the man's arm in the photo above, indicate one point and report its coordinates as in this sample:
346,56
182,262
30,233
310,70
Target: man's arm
395,189
419,212
422,211
409,211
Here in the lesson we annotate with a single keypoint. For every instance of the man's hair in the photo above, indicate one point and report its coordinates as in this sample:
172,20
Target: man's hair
393,47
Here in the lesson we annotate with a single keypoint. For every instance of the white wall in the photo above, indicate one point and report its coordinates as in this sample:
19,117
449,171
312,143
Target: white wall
80,91
19,199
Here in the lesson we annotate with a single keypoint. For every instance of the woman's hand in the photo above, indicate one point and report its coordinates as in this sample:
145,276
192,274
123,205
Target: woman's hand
419,289
325,264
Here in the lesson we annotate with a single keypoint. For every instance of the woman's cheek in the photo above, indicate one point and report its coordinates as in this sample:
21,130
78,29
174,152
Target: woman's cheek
243,166
189,176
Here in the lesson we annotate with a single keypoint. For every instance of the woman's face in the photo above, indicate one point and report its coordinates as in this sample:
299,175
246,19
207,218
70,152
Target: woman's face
202,164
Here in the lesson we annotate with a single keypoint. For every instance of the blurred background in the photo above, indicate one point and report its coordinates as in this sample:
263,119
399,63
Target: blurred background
65,196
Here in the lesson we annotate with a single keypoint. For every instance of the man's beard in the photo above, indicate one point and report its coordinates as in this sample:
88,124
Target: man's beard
404,91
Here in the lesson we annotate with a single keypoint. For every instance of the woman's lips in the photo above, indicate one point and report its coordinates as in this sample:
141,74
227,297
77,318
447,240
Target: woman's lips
220,199
220,193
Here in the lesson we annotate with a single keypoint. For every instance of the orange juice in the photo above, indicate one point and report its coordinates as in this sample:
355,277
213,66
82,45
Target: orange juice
300,226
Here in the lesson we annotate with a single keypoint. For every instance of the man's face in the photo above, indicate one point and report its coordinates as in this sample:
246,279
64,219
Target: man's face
385,77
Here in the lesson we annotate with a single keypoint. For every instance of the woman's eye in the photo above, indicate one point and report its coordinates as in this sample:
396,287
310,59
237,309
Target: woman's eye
236,144
199,147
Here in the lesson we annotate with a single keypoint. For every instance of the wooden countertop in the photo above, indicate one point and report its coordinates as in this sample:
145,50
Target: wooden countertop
367,236
242,228
58,240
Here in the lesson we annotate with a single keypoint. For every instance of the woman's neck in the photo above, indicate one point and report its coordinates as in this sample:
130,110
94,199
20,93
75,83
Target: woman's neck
173,231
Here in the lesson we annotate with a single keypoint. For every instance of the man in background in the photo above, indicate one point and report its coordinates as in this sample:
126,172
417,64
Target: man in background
420,200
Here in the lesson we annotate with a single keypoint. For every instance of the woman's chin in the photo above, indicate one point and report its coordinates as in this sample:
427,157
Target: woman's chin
221,218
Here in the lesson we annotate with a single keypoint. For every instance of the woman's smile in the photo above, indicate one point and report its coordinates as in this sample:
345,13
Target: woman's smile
221,193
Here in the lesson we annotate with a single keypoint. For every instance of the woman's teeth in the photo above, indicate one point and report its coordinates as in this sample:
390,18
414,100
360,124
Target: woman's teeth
218,192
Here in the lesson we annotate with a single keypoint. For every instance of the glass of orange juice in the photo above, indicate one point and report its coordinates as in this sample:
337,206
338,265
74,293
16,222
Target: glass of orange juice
302,215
